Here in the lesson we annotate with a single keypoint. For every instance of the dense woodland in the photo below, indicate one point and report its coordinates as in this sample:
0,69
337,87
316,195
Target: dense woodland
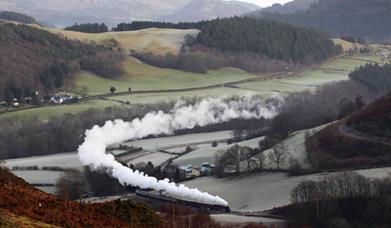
358,18
272,39
88,28
253,45
374,76
18,17
35,60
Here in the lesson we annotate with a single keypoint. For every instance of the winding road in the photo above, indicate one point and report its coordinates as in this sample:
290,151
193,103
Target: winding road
351,133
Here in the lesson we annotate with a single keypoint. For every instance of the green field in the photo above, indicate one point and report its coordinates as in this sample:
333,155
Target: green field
144,77
309,79
140,76
156,40
156,97
44,113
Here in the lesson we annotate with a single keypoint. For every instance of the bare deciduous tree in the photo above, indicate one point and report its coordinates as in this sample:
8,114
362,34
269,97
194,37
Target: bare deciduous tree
278,155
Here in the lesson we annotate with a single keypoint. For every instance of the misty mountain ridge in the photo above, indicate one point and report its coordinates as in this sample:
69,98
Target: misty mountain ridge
66,12
198,10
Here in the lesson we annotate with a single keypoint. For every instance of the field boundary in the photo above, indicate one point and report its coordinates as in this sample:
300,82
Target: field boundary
259,77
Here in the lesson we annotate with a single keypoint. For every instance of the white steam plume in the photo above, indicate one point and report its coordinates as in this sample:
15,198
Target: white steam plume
208,111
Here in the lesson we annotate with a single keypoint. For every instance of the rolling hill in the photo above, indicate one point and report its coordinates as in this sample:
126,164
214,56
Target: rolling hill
358,18
155,40
289,7
35,60
360,140
23,205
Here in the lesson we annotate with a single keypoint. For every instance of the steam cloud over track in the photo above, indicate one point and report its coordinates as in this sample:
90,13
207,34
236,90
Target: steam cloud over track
207,111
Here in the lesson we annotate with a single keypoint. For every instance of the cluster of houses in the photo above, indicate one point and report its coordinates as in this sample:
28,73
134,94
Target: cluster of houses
62,99
189,172
58,98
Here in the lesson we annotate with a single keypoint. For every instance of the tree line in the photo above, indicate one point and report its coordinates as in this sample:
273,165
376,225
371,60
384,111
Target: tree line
88,28
199,60
18,17
340,200
24,137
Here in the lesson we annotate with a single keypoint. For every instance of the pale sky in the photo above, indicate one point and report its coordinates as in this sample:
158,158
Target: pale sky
265,3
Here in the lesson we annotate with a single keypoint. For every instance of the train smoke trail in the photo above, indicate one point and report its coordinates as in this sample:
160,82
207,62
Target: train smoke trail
207,111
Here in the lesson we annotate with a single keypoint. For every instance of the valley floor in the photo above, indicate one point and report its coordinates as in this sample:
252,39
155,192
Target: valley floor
151,85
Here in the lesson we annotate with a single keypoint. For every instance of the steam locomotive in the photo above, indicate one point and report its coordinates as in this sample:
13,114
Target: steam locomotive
203,206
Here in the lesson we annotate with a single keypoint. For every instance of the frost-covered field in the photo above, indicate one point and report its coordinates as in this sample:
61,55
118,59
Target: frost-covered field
49,189
65,160
263,191
172,141
295,146
38,176
207,154
157,158
236,219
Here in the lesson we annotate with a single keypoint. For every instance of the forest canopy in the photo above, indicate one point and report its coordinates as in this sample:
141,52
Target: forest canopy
358,18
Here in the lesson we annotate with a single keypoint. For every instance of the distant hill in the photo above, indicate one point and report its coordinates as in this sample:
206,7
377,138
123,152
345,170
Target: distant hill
35,60
64,13
358,18
18,17
198,10
21,201
289,7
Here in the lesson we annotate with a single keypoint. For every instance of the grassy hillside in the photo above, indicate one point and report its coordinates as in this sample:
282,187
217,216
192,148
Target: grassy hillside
44,113
158,41
140,76
24,201
346,45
